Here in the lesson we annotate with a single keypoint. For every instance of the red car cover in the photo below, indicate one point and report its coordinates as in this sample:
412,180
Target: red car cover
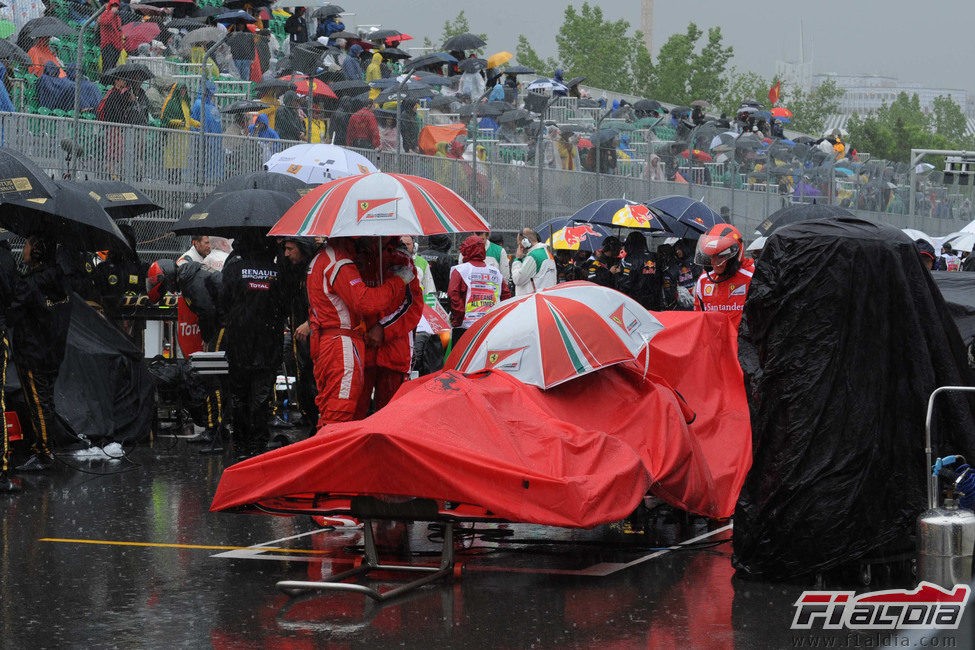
581,454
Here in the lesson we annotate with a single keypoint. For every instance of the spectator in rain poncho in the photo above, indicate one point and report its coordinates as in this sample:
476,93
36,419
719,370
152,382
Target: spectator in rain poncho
374,73
568,152
262,129
340,120
288,122
7,106
205,111
563,93
363,129
49,86
350,67
90,94
176,115
409,127
41,54
472,85
497,93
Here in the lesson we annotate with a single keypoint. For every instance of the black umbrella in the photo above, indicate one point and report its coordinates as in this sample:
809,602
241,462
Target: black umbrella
276,86
800,212
605,136
466,41
383,34
244,106
71,216
228,213
754,103
433,58
343,34
472,65
415,93
328,10
47,27
394,53
575,81
206,12
10,52
120,200
432,79
132,71
240,4
518,69
263,180
350,87
21,178
174,4
236,17
748,142
517,115
443,101
677,110
189,24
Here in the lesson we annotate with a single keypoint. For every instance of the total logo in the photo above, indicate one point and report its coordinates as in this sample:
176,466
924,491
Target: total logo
928,607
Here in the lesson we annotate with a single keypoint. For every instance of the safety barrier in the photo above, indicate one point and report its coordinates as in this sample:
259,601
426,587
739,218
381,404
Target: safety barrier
177,168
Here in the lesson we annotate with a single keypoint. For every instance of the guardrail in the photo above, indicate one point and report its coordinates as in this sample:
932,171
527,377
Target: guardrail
177,168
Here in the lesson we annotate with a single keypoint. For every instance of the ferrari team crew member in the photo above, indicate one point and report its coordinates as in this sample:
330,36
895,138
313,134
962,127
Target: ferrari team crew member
475,287
8,288
252,305
39,316
389,335
727,272
534,266
298,253
338,300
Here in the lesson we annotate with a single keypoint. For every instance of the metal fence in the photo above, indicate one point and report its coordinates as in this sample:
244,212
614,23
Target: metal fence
176,168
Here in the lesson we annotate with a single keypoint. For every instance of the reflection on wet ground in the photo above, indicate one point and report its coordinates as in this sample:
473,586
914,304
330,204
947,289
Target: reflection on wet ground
178,575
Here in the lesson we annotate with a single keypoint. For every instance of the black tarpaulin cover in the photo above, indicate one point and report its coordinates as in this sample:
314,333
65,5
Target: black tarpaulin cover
844,337
958,290
103,390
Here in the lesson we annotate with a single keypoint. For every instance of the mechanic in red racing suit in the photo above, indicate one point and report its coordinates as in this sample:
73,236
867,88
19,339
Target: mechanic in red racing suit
338,301
389,335
727,272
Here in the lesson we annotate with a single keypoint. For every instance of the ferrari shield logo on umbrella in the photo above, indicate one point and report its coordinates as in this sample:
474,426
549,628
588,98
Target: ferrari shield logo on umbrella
507,360
377,209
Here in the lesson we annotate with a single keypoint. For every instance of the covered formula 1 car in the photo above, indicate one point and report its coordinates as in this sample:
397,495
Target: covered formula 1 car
485,446
843,339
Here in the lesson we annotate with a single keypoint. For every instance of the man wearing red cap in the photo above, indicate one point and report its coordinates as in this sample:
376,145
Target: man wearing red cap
338,301
474,287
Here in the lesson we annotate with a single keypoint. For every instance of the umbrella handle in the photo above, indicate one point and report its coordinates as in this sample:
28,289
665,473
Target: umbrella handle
646,361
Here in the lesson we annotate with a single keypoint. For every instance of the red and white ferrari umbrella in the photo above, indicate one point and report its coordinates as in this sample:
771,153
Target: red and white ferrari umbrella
556,334
378,205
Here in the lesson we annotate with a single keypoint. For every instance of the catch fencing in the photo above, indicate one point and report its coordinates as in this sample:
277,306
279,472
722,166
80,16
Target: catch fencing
177,168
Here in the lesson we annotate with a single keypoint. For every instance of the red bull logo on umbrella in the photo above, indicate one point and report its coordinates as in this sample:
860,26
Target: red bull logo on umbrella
377,209
638,213
575,235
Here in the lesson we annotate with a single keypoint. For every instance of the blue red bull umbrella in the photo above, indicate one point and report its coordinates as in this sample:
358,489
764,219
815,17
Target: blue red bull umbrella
562,233
684,216
622,213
